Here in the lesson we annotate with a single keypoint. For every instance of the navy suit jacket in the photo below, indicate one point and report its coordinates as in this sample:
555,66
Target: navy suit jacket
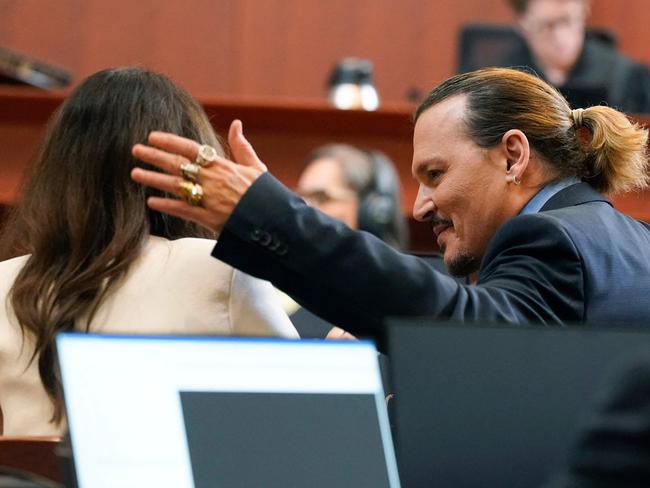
578,260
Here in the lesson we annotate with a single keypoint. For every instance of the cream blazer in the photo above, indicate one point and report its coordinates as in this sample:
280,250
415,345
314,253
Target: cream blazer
174,287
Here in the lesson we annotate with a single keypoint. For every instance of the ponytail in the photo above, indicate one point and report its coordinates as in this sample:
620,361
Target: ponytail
614,149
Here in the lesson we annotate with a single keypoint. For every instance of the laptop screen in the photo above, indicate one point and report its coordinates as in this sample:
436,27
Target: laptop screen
204,412
480,406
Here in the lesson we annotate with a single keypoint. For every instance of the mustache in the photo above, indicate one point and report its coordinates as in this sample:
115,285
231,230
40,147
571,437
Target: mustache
435,220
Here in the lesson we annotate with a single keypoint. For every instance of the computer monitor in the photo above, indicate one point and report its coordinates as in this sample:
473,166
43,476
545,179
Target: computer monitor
205,412
482,405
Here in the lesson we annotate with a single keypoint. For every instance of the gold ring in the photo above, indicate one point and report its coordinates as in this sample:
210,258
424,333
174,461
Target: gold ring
190,171
192,192
206,155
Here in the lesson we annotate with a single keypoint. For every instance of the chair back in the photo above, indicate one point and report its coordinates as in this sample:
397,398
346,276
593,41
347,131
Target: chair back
35,455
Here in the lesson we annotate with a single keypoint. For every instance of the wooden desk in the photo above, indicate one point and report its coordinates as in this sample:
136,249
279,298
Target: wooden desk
282,131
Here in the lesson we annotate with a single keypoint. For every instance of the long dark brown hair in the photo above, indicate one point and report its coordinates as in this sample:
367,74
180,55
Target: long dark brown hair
81,219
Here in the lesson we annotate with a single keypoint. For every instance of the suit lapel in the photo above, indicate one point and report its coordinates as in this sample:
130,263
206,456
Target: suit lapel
574,195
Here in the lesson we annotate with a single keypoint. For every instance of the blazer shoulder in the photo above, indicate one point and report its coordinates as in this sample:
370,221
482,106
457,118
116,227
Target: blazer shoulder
540,238
186,264
191,254
535,227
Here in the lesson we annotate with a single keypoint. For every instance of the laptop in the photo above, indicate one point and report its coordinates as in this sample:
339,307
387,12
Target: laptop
485,406
205,412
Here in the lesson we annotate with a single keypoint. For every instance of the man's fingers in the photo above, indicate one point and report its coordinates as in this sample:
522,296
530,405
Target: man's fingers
174,144
242,150
161,159
177,207
336,333
223,182
160,181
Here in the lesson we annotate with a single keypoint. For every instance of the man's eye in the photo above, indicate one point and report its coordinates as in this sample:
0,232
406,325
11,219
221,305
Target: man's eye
433,174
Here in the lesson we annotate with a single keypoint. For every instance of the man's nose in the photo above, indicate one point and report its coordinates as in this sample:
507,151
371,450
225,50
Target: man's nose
423,208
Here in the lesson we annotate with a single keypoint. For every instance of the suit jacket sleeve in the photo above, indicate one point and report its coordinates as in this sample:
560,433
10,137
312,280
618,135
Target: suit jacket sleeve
354,280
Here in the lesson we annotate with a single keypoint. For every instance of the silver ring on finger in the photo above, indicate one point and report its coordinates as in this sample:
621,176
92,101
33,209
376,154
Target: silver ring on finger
190,171
206,155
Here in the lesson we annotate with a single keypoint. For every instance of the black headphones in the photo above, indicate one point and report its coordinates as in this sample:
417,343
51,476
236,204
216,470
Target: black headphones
379,205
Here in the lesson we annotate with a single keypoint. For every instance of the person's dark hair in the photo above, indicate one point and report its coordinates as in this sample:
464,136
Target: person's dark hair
81,218
598,144
519,6
372,176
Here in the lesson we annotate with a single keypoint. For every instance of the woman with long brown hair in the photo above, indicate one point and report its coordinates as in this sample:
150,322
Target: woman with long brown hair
92,257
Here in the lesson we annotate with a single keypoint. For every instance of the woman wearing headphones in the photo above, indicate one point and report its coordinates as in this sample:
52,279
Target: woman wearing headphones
358,187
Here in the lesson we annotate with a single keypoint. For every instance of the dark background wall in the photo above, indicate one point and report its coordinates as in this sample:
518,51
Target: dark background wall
279,48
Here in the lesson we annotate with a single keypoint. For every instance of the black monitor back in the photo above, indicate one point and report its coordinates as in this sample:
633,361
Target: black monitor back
496,406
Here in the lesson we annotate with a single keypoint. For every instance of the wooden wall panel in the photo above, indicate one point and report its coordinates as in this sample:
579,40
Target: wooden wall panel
249,47
629,19
272,47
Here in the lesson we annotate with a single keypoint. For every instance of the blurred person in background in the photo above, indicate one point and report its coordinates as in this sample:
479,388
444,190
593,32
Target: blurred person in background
360,188
587,69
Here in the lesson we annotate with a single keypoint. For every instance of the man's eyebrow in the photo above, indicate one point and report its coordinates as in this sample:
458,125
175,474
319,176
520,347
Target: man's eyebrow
425,164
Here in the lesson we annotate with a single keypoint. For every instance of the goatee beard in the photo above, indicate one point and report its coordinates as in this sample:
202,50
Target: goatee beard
463,265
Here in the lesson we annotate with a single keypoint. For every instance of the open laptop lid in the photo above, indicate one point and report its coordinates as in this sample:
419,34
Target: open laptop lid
480,406
204,412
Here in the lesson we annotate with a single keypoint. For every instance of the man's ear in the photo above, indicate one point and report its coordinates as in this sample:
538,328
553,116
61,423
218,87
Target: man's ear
515,148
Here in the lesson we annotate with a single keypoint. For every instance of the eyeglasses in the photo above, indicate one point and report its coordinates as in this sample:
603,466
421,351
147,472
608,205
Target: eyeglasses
548,27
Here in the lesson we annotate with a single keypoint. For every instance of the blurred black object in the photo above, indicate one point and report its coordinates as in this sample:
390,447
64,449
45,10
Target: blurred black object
20,69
